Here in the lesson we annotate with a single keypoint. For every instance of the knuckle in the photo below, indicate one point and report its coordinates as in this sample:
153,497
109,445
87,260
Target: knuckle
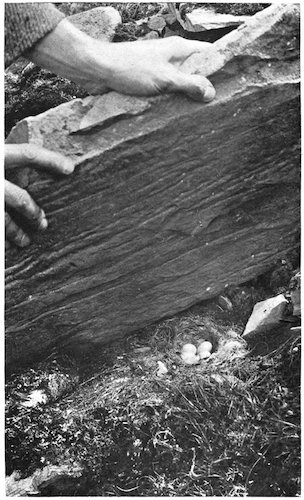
30,153
23,201
18,235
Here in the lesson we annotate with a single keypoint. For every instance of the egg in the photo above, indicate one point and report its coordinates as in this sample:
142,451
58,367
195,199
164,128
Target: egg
204,346
189,348
190,358
204,354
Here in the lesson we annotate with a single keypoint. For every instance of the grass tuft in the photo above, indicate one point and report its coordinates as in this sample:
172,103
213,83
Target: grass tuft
227,427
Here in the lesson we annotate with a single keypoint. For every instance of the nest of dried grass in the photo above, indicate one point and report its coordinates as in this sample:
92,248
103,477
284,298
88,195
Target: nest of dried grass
226,427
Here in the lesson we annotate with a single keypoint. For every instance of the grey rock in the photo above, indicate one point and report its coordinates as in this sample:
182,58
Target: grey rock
153,35
106,108
181,194
16,486
266,315
99,22
270,35
204,19
157,23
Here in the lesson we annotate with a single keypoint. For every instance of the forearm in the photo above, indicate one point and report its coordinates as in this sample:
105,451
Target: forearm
146,67
72,54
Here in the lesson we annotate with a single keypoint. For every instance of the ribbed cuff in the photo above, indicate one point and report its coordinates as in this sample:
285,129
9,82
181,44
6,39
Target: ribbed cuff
25,25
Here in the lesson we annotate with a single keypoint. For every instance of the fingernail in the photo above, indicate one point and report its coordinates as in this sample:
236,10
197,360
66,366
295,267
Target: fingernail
209,94
24,241
68,167
43,224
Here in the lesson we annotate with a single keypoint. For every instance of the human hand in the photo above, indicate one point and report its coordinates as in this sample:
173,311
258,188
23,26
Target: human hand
18,199
147,67
152,67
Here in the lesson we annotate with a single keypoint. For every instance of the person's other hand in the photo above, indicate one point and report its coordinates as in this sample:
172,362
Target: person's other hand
17,199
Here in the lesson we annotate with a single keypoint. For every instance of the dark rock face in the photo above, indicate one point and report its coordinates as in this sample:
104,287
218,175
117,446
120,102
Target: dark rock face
166,206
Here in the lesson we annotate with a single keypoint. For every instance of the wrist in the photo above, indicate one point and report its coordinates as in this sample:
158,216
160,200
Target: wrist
72,54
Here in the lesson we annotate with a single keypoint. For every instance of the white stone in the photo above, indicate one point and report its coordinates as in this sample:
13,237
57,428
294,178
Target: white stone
265,314
207,19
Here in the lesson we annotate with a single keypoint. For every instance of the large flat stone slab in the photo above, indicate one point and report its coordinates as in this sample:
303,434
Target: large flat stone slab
167,206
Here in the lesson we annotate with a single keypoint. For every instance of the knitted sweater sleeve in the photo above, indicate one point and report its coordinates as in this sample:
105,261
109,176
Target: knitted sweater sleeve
25,25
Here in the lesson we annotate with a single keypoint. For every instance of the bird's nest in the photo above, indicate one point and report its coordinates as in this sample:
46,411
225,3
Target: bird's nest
227,426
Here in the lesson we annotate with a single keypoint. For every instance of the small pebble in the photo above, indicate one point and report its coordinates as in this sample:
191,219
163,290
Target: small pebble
162,369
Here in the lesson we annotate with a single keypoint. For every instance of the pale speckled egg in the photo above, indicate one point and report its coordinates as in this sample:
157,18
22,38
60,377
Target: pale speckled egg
204,346
190,358
189,348
204,354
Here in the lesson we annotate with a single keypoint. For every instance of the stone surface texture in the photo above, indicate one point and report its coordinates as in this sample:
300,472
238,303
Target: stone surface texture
270,36
15,486
166,207
99,22
157,23
204,19
266,315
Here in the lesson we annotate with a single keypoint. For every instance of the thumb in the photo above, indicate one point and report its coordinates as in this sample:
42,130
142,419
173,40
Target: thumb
197,87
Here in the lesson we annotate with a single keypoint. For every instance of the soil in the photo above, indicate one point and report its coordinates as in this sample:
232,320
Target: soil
229,426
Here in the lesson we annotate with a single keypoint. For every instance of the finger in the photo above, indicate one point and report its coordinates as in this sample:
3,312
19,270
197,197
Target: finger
18,155
20,200
197,87
14,234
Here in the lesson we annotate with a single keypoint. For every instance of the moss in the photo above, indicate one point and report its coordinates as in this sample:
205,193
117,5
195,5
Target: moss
35,93
129,11
236,9
227,427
